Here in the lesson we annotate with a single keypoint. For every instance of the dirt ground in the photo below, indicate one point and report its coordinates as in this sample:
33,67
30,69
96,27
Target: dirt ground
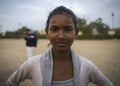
104,53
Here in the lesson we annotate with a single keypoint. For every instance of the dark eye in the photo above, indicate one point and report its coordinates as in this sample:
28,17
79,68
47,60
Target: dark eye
54,29
68,28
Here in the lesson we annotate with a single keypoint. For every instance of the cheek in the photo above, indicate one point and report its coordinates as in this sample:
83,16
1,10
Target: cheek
50,36
72,35
71,38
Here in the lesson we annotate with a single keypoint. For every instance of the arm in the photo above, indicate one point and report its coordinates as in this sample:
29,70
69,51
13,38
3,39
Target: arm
22,73
97,77
35,41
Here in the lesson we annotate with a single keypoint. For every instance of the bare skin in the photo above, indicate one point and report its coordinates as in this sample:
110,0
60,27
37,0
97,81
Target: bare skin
61,33
62,67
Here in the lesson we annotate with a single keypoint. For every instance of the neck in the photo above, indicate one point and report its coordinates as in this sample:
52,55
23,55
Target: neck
61,56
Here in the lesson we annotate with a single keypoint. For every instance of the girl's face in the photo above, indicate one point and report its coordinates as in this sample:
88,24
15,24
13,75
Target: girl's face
61,32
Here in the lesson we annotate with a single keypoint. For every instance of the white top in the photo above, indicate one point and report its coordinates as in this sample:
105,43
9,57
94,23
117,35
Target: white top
63,83
40,70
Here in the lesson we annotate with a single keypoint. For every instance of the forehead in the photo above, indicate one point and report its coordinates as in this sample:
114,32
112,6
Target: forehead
61,18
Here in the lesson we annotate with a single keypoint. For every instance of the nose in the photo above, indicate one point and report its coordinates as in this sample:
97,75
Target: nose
61,34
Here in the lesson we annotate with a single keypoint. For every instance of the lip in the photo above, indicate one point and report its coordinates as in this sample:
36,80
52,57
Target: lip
61,43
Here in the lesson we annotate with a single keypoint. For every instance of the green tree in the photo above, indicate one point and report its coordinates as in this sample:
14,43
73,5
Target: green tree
101,27
83,26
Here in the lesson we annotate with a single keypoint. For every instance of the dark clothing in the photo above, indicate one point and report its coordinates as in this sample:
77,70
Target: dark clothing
31,40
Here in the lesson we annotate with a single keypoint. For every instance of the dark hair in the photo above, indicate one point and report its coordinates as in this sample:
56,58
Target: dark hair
61,10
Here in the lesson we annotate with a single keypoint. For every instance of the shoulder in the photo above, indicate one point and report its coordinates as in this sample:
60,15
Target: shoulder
85,60
38,58
81,60
86,63
35,59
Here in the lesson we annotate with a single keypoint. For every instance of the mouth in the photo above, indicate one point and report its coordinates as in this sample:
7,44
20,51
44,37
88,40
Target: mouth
61,43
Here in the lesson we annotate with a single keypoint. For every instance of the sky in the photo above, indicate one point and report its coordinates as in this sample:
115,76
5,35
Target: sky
33,13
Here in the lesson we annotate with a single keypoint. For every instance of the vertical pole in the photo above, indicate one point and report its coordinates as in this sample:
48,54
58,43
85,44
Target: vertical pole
0,28
112,20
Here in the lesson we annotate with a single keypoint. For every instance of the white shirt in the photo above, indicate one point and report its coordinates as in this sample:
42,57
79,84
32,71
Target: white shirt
40,69
68,82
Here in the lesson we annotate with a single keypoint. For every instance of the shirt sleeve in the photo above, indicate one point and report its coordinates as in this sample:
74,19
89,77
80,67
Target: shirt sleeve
97,77
19,75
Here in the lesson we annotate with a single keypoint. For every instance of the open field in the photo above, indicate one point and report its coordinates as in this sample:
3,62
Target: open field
104,53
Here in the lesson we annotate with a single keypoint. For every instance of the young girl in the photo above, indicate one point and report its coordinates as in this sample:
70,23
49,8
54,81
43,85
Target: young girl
59,66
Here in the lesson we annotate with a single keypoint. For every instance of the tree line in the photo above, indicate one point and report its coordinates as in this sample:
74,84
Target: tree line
94,30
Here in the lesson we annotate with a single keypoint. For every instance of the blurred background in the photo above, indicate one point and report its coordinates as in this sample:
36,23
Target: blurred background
98,22
96,19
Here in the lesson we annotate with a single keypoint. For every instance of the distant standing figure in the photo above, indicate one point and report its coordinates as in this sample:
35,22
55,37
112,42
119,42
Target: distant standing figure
31,42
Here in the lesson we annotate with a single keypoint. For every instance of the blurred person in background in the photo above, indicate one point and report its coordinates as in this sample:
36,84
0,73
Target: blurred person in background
31,42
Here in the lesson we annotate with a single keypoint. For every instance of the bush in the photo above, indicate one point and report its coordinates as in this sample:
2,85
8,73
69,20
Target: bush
99,37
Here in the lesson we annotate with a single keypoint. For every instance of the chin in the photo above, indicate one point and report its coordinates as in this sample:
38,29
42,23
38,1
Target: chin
63,49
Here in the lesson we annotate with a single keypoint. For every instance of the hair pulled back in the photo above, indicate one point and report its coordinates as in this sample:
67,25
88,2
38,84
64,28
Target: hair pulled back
61,10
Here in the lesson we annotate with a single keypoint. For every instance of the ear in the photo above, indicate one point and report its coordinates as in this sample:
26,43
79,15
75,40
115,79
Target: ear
46,36
77,31
76,34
